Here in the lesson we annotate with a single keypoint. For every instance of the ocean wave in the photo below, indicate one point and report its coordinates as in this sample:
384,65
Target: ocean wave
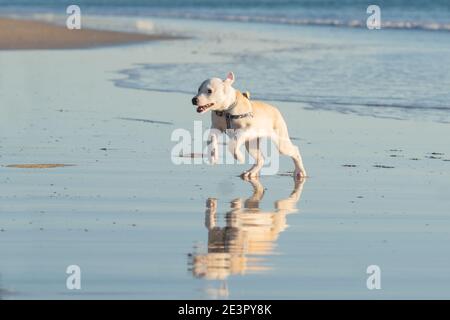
385,24
401,14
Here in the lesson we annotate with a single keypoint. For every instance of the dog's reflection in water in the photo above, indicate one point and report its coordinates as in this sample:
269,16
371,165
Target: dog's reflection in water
249,234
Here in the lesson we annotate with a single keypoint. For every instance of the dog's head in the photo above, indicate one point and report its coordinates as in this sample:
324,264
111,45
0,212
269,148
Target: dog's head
215,94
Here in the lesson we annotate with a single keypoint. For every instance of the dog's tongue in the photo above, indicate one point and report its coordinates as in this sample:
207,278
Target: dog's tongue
200,109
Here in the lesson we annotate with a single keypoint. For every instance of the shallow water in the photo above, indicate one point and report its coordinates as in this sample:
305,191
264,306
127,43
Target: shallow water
383,74
400,73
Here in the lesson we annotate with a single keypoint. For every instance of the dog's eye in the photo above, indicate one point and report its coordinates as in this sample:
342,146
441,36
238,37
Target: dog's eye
209,91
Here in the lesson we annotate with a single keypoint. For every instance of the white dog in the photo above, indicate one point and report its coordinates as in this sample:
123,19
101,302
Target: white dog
245,121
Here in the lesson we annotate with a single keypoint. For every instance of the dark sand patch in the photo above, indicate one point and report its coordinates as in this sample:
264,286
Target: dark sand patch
192,155
107,149
382,166
435,155
349,165
39,165
148,121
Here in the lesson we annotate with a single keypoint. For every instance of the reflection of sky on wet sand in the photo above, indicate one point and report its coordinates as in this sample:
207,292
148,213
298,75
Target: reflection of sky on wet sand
242,243
128,216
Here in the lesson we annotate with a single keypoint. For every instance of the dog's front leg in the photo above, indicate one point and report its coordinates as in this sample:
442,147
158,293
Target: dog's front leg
213,149
234,146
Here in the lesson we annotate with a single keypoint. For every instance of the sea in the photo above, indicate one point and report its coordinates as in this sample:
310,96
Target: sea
316,52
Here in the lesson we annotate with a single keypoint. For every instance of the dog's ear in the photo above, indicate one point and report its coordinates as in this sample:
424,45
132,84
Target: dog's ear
230,78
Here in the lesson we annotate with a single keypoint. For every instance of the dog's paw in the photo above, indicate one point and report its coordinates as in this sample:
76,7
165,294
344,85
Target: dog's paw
299,175
250,174
213,157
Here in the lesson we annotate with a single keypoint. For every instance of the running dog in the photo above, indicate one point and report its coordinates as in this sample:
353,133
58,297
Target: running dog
246,121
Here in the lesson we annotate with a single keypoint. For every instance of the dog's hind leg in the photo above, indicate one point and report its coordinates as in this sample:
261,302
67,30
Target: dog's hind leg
286,147
254,150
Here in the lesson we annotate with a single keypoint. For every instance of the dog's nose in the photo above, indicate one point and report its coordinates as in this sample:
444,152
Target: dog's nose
194,101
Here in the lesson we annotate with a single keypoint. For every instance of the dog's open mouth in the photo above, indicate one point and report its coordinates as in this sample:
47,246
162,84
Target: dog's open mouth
201,109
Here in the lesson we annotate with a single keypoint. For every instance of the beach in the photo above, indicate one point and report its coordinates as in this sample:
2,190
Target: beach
26,35
87,175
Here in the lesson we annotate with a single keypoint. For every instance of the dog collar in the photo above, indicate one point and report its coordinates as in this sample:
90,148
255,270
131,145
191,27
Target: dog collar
229,116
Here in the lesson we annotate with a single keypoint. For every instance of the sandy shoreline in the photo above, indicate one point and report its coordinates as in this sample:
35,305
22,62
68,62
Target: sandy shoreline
29,35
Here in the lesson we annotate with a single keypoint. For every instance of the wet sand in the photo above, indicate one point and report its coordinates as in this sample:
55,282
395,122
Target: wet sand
141,227
38,165
29,35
